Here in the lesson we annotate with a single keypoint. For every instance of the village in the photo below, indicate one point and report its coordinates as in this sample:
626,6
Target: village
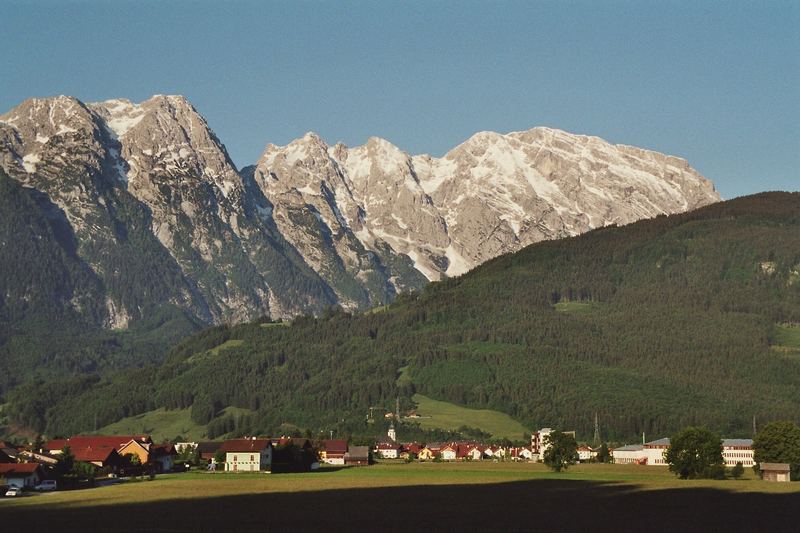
89,460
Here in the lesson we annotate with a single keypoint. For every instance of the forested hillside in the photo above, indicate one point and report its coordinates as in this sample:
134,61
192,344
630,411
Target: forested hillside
656,325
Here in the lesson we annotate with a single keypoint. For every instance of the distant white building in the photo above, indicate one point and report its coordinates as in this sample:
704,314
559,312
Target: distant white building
738,451
538,445
626,455
653,453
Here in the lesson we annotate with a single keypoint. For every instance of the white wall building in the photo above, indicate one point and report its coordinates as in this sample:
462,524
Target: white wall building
387,450
653,453
449,453
626,455
247,455
738,451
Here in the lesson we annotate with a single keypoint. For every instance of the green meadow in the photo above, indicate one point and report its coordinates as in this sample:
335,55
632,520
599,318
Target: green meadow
444,415
469,495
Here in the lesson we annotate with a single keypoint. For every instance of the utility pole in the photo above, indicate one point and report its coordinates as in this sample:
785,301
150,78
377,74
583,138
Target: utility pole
596,430
754,426
397,408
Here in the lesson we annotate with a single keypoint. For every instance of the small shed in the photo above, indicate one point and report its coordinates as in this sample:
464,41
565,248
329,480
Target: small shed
774,471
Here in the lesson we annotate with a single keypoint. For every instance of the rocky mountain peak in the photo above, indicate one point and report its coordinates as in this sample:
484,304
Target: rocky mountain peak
313,224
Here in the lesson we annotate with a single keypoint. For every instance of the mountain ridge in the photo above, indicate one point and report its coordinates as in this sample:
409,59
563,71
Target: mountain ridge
311,225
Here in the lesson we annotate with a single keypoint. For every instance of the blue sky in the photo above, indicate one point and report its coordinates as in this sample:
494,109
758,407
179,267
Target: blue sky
717,83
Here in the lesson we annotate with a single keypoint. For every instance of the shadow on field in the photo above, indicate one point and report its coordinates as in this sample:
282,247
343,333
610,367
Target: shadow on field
538,505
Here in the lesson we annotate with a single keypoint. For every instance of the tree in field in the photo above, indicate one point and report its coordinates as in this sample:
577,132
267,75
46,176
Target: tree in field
779,442
696,452
65,463
561,450
219,459
603,455
738,470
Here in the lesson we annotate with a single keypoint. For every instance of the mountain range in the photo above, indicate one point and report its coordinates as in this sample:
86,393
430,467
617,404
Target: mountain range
141,207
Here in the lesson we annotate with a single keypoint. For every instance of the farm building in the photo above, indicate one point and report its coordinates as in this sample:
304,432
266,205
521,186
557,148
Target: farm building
775,472
357,455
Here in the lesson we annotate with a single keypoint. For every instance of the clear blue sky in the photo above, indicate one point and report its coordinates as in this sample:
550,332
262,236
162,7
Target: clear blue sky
715,82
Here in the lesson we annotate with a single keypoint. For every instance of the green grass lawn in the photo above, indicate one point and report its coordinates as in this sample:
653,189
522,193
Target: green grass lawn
444,415
386,474
467,496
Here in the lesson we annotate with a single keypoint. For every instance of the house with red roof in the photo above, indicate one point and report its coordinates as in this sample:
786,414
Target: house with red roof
21,474
474,452
333,452
103,450
95,441
410,449
521,454
247,455
101,456
449,452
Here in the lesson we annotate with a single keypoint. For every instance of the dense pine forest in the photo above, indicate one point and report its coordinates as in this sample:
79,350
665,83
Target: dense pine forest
680,320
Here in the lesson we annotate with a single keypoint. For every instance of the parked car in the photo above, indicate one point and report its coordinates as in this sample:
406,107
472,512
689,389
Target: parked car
14,491
47,484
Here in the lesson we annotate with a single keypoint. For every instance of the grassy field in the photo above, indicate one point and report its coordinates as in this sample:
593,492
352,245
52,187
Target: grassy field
787,341
162,424
576,307
471,496
446,415
788,336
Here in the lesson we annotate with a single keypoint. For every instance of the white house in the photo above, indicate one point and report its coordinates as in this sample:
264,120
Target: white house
475,453
449,453
387,450
247,455
524,454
